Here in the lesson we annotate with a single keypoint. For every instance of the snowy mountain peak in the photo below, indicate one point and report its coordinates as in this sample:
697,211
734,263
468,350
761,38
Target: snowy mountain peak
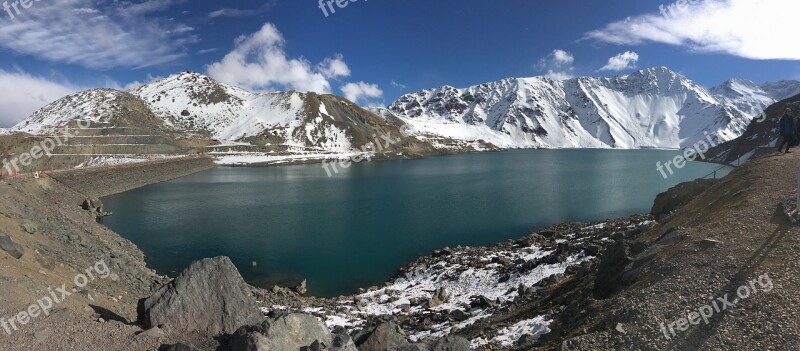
782,90
96,105
653,107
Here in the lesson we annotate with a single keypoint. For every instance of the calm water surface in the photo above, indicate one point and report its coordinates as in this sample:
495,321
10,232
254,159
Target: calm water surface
359,227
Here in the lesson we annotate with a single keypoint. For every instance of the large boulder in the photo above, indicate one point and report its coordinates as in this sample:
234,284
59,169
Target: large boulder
386,336
208,296
292,332
450,343
678,196
9,246
342,342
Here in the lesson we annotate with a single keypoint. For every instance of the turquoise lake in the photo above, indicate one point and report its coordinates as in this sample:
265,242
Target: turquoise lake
357,228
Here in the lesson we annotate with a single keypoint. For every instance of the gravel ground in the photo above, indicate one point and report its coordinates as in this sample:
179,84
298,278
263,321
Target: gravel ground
726,238
617,298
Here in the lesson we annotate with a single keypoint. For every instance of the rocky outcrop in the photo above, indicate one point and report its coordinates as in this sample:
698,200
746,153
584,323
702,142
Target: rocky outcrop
678,196
8,245
95,206
209,296
386,336
289,332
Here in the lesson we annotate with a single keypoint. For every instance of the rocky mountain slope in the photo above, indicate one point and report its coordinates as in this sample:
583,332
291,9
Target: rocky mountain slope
192,113
655,107
759,138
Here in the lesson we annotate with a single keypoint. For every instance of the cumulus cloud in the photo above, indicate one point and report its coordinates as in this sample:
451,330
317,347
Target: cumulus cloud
753,29
21,94
333,67
259,62
562,57
620,62
361,92
97,35
557,65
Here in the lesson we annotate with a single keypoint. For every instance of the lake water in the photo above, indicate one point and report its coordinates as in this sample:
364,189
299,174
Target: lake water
358,228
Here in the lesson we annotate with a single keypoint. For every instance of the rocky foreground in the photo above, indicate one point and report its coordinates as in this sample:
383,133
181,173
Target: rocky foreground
67,282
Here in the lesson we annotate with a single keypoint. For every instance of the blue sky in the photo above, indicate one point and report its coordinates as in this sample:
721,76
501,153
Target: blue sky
372,51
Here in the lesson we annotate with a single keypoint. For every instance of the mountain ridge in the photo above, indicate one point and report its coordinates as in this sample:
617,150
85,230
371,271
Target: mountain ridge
619,112
649,108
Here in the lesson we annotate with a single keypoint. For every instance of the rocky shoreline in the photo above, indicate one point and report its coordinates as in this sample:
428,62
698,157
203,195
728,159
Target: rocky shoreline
531,293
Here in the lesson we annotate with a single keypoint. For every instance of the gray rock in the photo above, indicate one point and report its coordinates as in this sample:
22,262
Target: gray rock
154,332
459,315
95,206
342,342
208,296
8,245
290,332
679,196
439,297
29,226
450,343
302,288
386,336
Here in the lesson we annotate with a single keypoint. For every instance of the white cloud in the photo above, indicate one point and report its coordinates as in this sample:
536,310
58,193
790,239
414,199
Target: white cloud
97,35
562,57
754,29
398,85
558,75
21,94
133,85
259,62
557,65
333,67
357,92
231,12
620,62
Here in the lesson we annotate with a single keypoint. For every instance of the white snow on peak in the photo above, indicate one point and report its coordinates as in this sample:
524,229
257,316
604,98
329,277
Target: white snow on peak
782,90
96,105
195,102
651,108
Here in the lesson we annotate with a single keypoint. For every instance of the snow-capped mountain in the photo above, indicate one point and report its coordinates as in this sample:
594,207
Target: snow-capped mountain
189,112
100,106
760,138
745,95
191,101
655,107
650,108
781,90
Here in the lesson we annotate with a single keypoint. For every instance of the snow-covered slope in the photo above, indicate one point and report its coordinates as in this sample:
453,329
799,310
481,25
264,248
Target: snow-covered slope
97,105
191,101
781,90
745,95
655,107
